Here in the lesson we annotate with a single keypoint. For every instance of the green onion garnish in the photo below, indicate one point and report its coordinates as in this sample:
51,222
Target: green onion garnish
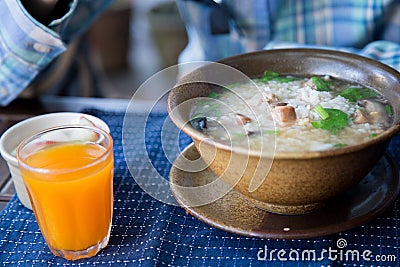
389,110
321,112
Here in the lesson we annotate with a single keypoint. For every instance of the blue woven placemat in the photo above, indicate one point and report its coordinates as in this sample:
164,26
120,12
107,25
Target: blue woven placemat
147,232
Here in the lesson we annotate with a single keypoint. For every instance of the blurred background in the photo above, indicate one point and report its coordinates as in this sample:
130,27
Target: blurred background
129,43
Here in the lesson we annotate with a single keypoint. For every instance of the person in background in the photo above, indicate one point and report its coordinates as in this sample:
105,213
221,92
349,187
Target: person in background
217,29
34,33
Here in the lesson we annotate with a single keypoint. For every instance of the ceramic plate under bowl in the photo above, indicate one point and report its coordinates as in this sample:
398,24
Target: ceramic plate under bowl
234,212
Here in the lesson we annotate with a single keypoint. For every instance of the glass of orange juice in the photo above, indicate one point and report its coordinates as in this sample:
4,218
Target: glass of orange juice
68,173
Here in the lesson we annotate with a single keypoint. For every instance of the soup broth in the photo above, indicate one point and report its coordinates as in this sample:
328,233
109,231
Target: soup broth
294,113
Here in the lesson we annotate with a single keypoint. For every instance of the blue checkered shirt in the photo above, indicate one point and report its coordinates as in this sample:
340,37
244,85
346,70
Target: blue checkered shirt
27,47
218,29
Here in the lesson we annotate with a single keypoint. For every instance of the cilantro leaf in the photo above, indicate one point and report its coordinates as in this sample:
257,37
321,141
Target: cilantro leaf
353,94
321,84
286,79
268,76
272,75
336,121
213,95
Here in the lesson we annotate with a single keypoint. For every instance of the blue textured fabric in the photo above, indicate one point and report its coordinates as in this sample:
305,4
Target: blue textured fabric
28,47
147,232
370,28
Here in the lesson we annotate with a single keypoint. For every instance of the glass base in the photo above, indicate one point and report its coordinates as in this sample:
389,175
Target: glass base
81,254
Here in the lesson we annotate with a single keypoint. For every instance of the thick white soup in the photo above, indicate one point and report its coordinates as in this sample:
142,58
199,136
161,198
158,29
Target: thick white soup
295,114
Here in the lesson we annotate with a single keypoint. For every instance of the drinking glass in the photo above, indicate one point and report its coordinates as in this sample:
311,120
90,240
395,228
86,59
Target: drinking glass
68,173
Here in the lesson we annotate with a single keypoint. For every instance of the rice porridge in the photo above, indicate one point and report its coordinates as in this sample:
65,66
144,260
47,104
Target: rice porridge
296,113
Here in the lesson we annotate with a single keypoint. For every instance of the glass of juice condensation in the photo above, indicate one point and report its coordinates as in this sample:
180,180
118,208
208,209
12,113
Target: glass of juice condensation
68,173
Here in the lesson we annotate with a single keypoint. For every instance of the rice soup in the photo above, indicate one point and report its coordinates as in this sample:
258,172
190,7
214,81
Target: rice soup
295,113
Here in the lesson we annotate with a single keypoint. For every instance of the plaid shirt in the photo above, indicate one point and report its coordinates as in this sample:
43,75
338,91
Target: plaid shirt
27,47
367,27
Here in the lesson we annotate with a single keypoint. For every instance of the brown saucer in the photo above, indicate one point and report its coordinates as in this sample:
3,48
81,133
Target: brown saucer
234,213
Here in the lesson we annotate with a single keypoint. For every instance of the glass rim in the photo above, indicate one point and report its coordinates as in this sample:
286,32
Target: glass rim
28,139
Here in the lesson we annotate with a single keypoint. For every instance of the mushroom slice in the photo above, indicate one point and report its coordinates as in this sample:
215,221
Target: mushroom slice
242,119
253,133
375,111
372,106
359,117
200,123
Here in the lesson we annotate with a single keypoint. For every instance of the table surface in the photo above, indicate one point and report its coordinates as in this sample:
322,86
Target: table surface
148,232
25,108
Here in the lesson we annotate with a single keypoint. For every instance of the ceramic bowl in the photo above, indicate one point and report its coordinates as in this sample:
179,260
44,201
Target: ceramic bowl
297,182
23,129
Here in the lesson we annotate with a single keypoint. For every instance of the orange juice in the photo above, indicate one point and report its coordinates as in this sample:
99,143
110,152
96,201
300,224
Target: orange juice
71,189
